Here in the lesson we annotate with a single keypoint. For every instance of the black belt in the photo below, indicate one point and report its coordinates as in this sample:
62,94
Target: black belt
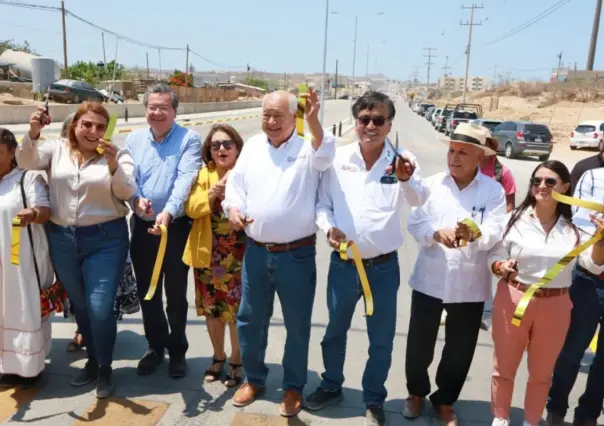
283,247
368,263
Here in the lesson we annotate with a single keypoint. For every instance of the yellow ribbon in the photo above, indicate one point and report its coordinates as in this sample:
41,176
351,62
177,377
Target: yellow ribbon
475,231
553,272
100,148
159,261
358,261
302,89
15,241
594,343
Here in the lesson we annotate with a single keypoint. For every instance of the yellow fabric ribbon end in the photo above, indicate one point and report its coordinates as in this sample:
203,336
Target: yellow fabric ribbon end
475,231
553,272
594,343
159,261
15,241
358,261
302,88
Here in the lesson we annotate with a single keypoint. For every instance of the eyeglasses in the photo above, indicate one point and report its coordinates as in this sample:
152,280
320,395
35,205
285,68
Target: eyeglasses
377,121
228,145
98,127
549,182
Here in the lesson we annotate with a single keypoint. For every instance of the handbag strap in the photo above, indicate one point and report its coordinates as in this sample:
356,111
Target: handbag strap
29,231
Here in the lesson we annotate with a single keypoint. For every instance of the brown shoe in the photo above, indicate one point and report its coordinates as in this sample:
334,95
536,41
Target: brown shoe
413,407
291,404
446,415
246,394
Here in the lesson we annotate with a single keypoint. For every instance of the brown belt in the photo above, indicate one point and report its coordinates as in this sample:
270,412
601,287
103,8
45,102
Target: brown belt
368,263
542,292
283,247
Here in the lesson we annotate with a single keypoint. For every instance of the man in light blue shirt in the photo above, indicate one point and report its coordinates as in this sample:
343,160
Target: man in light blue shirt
167,157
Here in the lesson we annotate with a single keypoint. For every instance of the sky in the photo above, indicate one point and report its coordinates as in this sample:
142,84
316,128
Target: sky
288,36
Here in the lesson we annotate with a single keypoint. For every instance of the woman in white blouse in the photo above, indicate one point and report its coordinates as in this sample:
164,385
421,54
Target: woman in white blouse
87,231
538,234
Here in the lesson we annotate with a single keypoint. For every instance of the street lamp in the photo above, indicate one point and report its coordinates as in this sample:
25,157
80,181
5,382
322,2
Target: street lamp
354,53
322,109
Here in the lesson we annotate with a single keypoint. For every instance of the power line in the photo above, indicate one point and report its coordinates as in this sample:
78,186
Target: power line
30,5
215,63
528,23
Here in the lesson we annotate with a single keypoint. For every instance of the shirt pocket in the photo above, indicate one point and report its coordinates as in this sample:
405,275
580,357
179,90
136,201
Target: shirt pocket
462,277
384,196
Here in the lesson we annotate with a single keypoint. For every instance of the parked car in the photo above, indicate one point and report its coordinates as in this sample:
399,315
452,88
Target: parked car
435,115
462,113
588,134
485,122
441,120
424,108
74,91
523,137
428,113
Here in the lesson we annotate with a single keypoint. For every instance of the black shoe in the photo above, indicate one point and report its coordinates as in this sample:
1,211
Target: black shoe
375,416
8,381
105,386
149,362
87,375
178,367
321,398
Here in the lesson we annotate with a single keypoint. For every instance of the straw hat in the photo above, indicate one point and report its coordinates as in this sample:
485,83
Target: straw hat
473,134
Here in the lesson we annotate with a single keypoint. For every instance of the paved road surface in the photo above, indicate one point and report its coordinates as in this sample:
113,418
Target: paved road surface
190,402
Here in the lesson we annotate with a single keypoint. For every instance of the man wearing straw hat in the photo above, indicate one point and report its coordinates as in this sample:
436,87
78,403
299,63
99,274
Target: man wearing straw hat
463,218
361,199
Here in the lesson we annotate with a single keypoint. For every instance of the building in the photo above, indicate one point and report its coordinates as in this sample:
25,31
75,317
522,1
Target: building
452,84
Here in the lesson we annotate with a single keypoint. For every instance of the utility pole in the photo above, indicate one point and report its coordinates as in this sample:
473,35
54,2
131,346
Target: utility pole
354,59
187,76
559,56
367,68
284,81
104,56
160,72
335,92
594,36
147,65
415,75
471,24
66,71
429,63
445,70
495,76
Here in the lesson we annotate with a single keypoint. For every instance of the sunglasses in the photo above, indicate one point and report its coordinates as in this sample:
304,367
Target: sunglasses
377,121
228,145
549,182
98,127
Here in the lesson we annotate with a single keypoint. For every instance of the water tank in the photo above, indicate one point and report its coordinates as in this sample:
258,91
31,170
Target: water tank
21,62
42,74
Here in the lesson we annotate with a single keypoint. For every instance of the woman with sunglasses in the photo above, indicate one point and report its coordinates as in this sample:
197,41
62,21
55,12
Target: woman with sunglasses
215,251
539,233
87,231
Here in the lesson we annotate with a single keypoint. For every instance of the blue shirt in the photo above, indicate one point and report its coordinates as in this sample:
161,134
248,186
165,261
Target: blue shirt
165,171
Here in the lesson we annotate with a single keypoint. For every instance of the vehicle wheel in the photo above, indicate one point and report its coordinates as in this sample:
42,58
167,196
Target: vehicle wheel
601,146
76,99
544,157
572,148
509,152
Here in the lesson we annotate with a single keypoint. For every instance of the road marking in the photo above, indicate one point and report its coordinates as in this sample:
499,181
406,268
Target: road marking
252,419
123,411
11,400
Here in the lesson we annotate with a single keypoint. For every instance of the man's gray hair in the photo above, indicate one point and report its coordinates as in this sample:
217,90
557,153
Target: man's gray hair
291,100
161,88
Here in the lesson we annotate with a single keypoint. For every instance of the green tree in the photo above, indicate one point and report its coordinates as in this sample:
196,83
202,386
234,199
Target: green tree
12,45
257,82
93,73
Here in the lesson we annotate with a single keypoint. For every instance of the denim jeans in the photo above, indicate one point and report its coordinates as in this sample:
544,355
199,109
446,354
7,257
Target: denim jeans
587,295
343,293
293,276
89,262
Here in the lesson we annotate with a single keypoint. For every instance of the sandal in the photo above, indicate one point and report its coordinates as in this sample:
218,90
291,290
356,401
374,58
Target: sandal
234,377
214,371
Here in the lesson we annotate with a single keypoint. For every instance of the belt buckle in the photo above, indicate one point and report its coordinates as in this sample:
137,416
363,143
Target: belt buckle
269,246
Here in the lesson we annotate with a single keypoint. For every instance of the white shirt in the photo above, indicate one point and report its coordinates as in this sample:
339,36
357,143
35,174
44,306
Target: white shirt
277,187
461,274
80,195
539,251
352,199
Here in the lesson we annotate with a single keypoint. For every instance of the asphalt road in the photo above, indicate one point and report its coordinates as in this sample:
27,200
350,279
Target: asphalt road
191,402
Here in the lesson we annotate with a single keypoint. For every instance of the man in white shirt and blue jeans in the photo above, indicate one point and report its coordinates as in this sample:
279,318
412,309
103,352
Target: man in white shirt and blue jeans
361,199
271,193
451,271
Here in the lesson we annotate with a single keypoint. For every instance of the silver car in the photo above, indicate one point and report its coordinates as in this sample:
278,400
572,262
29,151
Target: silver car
524,138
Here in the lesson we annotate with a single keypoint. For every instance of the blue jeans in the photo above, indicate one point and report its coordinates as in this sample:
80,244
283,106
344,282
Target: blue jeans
89,262
293,276
587,295
343,292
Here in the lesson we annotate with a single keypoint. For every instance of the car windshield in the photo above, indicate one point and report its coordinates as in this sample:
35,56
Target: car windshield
536,128
585,128
491,124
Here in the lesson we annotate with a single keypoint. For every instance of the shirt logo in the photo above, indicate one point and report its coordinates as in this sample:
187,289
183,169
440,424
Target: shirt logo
349,168
299,157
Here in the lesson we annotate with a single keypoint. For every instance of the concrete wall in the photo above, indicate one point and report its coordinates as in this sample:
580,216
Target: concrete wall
20,114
